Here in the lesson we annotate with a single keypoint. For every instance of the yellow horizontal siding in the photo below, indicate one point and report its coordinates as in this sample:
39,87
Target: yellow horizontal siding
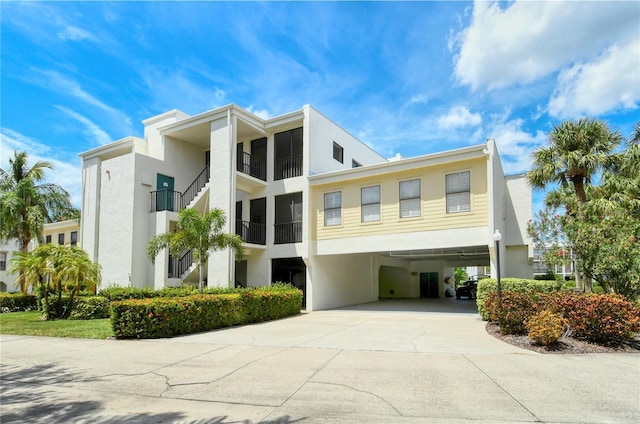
433,203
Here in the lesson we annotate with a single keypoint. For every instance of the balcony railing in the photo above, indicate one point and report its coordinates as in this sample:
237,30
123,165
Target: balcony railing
288,167
177,266
289,232
252,165
166,200
169,200
251,232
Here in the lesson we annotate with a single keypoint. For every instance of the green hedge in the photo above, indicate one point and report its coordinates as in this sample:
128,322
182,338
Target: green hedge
14,302
518,285
121,293
167,317
90,307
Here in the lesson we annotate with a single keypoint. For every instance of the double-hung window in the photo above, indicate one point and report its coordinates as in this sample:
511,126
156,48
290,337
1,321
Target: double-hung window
370,201
333,208
458,192
409,198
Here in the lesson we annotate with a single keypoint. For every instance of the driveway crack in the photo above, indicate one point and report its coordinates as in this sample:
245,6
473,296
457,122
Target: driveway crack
502,388
363,391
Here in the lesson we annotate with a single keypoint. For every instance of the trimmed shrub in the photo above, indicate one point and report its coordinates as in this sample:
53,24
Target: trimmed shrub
90,307
122,293
167,317
545,327
511,312
607,318
14,302
518,285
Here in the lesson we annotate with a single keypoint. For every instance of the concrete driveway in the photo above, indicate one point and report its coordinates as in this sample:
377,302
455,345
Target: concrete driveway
387,362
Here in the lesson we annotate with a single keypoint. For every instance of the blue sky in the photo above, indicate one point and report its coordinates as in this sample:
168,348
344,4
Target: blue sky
405,77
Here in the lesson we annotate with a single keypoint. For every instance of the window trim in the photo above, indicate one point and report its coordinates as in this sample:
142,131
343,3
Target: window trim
447,193
407,199
338,152
61,239
363,204
333,209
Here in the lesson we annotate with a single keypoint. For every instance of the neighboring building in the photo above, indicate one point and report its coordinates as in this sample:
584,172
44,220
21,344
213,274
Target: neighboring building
314,206
7,251
564,269
62,232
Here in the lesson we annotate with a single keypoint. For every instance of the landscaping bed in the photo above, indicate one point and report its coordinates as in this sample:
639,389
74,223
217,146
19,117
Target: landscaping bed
566,345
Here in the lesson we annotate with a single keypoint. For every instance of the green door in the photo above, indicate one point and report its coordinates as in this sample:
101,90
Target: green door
165,194
429,284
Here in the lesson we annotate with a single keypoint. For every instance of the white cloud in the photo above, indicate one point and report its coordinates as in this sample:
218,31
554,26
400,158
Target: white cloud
515,145
459,116
526,41
61,83
182,89
610,82
65,173
262,113
70,32
418,98
98,135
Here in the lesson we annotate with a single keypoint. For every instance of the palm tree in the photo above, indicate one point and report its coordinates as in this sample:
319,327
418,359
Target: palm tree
576,152
26,204
201,234
56,270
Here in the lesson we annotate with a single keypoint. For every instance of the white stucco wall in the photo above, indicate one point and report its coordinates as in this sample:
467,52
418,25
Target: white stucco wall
90,211
322,133
223,145
517,262
342,280
519,210
116,224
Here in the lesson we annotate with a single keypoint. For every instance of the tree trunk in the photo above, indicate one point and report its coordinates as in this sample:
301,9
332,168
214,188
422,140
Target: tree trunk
201,282
578,185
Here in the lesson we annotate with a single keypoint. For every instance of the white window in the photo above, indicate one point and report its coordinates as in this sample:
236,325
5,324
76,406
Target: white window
370,203
409,198
458,192
333,208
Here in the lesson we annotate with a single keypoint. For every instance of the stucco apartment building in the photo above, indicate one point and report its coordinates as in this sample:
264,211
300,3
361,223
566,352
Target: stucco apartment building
61,232
315,207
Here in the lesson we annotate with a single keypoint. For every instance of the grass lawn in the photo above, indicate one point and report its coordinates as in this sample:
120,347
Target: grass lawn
30,324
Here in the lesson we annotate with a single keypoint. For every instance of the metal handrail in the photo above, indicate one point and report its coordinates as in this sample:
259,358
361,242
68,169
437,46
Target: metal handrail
288,232
287,167
251,232
252,165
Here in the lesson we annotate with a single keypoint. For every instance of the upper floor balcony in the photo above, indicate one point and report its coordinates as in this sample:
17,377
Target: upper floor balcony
251,232
288,232
287,167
